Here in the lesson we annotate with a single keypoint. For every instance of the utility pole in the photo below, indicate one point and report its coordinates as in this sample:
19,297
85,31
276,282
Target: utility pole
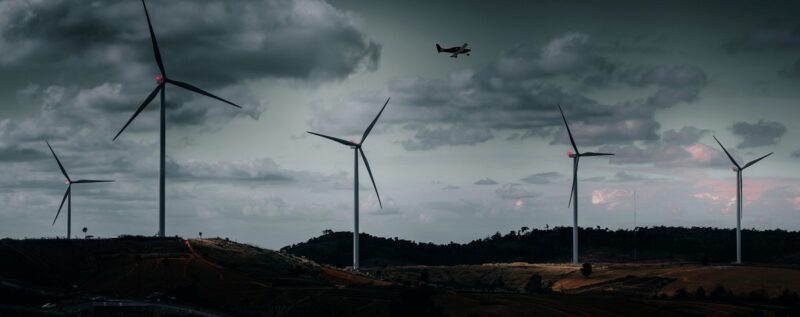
635,227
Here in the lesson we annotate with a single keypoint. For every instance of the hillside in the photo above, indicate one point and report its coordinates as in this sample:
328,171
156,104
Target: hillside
138,276
213,274
673,244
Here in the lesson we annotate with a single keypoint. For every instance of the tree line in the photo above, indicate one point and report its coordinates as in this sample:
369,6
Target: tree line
695,244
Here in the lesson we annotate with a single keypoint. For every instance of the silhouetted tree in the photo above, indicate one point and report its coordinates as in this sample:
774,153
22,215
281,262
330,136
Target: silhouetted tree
681,293
586,269
200,234
700,293
523,230
534,284
84,232
553,245
718,293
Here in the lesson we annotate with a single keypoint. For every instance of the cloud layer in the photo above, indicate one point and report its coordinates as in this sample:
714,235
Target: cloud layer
519,91
758,134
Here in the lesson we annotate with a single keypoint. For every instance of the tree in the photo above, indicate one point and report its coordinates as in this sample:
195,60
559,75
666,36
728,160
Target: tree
534,284
586,269
681,293
700,293
718,293
201,234
523,230
84,232
327,232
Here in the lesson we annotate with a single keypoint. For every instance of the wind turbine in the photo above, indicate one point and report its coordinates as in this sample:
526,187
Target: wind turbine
738,169
357,148
574,193
68,193
162,80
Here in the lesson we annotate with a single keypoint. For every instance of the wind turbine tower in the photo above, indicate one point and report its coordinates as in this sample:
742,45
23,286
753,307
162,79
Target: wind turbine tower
356,151
739,199
574,193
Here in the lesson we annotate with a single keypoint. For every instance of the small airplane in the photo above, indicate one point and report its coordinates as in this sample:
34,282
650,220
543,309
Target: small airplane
455,50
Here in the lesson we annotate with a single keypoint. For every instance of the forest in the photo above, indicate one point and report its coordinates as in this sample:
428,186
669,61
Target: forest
647,244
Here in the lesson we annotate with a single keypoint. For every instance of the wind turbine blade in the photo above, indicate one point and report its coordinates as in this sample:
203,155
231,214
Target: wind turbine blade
66,193
726,152
156,51
366,163
366,133
756,160
141,107
595,154
571,140
345,142
199,91
58,161
87,181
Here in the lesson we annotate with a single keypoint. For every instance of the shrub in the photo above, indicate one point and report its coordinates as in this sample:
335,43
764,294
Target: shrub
719,293
586,269
534,284
700,293
681,293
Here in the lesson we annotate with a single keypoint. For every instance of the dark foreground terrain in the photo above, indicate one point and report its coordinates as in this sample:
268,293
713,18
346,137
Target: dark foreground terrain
212,277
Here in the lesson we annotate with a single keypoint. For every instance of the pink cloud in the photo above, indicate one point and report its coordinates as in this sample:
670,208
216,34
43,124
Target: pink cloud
613,198
721,193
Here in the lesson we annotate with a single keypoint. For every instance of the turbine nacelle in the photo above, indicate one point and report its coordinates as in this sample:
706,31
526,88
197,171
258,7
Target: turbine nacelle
570,154
159,79
66,181
734,168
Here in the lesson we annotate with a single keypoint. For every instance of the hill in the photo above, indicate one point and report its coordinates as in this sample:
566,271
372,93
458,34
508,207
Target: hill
701,245
210,274
136,276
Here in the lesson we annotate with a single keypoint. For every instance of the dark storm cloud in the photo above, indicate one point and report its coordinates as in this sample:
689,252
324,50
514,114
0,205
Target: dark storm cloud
678,148
541,178
792,71
796,154
262,171
486,181
684,136
641,43
14,153
758,134
520,89
430,138
217,42
772,38
216,45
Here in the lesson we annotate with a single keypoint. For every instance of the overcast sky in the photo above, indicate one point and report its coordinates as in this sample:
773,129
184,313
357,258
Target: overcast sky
465,148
